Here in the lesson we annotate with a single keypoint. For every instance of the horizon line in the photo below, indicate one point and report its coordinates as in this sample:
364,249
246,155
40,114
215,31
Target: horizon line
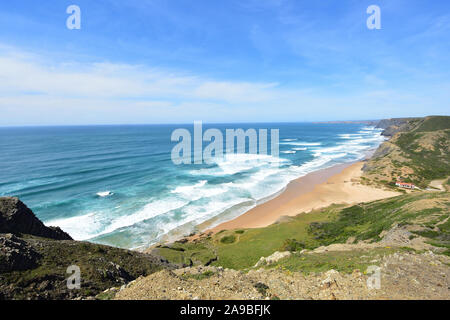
188,123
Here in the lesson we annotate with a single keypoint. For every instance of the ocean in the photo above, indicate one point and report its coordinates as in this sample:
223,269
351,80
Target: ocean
117,185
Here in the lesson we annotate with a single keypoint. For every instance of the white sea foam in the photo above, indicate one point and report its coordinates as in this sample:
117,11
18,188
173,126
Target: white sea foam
79,227
260,177
104,194
151,210
188,189
236,163
197,214
98,223
302,143
350,135
266,178
199,191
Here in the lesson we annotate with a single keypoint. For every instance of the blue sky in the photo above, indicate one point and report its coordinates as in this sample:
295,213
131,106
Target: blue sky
161,61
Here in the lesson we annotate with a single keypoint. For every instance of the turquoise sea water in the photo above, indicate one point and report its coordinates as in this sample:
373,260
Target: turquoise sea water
117,185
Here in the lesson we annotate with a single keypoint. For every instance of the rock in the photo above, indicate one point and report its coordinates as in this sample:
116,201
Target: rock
38,248
397,283
17,218
16,254
396,235
272,258
392,126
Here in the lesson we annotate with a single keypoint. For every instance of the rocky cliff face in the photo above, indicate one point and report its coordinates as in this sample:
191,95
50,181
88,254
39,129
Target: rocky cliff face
16,254
17,218
34,259
392,126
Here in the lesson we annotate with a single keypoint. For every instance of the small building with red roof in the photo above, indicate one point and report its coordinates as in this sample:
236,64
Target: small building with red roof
405,185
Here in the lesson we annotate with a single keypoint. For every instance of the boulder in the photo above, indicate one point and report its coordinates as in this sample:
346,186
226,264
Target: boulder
276,256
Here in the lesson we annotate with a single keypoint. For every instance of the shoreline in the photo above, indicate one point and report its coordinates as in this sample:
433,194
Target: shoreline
334,185
338,184
293,189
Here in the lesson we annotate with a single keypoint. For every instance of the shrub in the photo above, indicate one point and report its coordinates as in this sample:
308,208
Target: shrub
228,239
292,245
261,288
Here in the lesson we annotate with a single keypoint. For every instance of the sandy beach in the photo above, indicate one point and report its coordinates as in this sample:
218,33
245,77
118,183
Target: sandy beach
335,185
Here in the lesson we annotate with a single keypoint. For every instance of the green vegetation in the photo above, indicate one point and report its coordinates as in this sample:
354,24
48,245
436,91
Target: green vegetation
335,224
434,123
292,245
342,261
439,233
251,245
189,253
261,288
428,163
228,239
418,155
199,276
101,268
367,221
106,295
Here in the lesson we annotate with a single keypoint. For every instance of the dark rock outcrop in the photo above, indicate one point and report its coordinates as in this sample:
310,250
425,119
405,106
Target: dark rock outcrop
17,218
36,268
34,259
16,254
394,125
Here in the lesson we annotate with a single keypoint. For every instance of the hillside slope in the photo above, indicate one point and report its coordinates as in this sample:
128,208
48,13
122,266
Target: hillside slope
324,254
33,265
328,253
423,217
418,155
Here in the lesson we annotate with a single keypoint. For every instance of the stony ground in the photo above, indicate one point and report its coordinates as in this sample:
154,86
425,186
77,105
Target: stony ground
405,275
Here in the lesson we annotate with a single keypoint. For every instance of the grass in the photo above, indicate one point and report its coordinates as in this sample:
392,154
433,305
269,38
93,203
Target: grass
419,155
191,253
97,265
427,164
434,123
250,245
228,239
335,224
367,221
292,245
106,295
438,233
199,276
342,261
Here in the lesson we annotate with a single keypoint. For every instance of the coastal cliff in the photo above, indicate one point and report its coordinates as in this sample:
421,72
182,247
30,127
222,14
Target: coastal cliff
327,253
16,217
418,152
394,125
34,259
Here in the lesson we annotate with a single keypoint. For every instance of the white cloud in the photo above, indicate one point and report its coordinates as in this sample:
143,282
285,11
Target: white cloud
20,75
34,90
